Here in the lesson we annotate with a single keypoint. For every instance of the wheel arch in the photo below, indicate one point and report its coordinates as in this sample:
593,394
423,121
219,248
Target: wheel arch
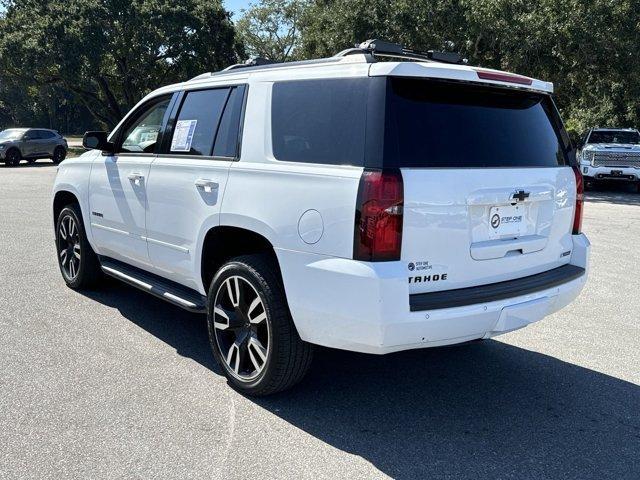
224,242
14,148
61,199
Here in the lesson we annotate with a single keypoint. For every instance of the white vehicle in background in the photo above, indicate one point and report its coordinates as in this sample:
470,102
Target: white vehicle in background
610,154
366,205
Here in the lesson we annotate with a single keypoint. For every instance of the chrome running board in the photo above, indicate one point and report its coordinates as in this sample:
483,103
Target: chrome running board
167,290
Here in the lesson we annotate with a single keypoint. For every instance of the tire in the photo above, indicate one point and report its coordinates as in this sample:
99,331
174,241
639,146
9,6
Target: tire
251,331
59,154
13,157
31,161
78,264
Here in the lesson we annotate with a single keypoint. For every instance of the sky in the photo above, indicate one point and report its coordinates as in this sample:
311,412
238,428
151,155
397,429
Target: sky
235,6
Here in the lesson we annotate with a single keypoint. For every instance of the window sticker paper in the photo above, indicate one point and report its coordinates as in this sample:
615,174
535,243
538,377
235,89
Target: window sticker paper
183,135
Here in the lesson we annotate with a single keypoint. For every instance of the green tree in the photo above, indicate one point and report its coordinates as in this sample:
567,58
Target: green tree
271,30
110,53
588,48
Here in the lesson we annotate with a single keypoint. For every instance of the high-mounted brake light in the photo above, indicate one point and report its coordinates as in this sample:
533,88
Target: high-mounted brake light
503,77
577,217
379,213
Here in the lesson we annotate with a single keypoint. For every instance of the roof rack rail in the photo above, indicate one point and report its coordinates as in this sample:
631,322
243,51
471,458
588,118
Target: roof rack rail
251,62
370,49
381,48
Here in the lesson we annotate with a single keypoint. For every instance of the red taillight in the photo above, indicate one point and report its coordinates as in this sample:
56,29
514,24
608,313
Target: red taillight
503,77
378,226
577,218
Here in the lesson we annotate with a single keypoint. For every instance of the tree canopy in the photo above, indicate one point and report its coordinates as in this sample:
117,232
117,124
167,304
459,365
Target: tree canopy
108,53
588,48
271,29
93,59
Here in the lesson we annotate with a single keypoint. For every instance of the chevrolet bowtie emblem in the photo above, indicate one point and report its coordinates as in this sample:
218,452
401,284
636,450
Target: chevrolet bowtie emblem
520,196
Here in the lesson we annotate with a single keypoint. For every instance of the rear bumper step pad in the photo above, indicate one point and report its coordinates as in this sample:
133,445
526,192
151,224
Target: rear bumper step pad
494,291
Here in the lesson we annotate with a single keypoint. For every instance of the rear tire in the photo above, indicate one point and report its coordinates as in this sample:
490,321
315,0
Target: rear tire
59,154
13,157
251,331
78,262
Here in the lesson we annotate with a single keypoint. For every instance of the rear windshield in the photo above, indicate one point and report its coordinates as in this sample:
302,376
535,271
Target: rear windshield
442,124
614,136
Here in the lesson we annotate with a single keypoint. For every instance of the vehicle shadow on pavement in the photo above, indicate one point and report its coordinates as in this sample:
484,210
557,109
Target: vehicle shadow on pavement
487,410
23,164
613,195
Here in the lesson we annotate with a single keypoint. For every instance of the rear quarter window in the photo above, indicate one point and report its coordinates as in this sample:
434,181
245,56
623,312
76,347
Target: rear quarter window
319,121
444,124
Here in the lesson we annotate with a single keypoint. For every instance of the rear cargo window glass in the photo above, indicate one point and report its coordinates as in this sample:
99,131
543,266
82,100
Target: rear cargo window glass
440,124
319,121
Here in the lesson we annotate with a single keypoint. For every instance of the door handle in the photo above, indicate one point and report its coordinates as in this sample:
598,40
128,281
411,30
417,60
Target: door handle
207,185
136,178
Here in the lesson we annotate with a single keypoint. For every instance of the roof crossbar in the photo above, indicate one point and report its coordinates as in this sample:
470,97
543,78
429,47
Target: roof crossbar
381,48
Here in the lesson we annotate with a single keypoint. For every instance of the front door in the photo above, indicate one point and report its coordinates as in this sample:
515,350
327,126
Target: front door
118,186
30,144
188,179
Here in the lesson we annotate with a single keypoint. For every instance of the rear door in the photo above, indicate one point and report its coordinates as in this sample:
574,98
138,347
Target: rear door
489,194
188,179
47,142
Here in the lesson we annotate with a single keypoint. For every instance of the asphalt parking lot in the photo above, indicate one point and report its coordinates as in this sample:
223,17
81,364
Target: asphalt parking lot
115,383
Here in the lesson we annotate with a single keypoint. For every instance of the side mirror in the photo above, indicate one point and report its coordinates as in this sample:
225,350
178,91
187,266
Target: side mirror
97,141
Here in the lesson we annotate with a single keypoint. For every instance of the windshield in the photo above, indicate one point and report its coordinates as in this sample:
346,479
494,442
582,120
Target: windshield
614,136
11,134
446,124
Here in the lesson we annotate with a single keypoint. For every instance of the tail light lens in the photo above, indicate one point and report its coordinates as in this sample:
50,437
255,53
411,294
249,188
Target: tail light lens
379,210
577,218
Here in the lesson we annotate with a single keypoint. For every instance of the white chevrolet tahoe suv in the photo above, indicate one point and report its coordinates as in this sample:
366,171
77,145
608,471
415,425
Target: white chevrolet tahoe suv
366,205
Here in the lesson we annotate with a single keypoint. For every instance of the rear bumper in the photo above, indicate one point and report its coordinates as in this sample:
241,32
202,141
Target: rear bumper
366,307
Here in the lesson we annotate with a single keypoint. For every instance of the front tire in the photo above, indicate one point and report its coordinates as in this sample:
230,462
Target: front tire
251,331
77,261
13,157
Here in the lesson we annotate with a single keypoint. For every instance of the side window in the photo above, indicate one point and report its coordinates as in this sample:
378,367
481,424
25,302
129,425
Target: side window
320,121
141,135
197,122
229,129
31,135
45,134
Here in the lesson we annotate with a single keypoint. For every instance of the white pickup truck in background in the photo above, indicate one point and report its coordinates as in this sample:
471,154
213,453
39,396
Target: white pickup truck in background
610,154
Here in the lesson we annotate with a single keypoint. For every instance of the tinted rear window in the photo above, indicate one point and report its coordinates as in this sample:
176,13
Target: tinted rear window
197,121
319,121
228,130
440,124
45,134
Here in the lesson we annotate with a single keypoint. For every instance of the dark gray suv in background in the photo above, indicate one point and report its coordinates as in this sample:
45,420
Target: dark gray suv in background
31,144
